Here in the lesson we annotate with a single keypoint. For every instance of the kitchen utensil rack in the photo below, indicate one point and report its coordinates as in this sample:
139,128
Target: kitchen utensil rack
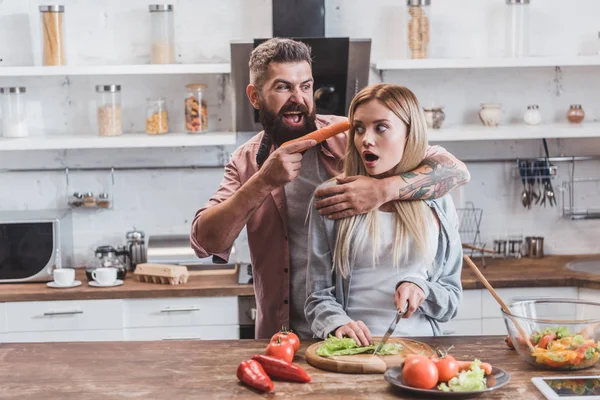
109,201
469,218
568,191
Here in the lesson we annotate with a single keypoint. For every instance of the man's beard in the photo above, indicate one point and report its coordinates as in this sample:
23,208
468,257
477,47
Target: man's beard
278,129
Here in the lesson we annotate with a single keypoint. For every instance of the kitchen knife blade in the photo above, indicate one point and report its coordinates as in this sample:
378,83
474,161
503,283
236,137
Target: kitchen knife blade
391,329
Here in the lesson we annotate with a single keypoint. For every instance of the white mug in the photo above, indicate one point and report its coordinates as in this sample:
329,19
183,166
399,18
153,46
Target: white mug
105,276
64,276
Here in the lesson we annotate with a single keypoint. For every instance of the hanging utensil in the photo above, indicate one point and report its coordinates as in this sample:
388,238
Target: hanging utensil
523,173
548,176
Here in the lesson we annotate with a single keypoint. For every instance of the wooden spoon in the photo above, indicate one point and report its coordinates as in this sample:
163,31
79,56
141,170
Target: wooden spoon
482,249
489,287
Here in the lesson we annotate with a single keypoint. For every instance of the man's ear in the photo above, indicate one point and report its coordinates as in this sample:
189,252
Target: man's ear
253,96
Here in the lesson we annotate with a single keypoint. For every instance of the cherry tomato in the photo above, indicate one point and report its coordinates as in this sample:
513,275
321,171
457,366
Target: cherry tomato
420,373
447,368
287,336
545,340
280,349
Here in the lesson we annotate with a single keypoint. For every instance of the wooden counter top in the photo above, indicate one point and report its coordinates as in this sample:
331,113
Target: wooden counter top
197,285
207,370
502,273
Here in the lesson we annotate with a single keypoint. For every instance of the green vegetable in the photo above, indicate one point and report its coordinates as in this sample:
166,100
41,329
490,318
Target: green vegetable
466,381
577,341
333,346
559,331
589,353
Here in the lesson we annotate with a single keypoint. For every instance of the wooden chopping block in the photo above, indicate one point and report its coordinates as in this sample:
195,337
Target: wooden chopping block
366,363
161,273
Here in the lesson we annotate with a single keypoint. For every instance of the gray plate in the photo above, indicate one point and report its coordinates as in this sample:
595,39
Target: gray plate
495,380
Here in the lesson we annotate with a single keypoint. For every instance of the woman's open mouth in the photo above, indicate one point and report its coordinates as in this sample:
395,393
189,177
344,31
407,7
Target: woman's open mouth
370,159
294,118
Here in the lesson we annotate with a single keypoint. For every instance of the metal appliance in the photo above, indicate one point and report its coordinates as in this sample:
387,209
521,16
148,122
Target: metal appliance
33,243
176,250
136,248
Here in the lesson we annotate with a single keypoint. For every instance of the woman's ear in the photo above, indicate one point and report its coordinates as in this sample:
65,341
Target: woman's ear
253,96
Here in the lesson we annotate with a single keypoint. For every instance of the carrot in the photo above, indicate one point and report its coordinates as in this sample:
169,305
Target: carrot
323,133
466,365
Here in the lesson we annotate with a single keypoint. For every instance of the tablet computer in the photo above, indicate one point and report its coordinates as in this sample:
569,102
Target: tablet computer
569,387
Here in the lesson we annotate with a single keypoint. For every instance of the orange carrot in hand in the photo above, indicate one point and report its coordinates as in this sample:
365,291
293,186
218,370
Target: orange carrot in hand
466,365
323,133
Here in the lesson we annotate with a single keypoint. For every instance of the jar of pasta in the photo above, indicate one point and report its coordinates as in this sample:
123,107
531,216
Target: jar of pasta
163,43
196,110
418,27
108,99
156,116
53,44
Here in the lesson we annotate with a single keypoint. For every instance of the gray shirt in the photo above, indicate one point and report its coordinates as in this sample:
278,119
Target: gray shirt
328,292
301,189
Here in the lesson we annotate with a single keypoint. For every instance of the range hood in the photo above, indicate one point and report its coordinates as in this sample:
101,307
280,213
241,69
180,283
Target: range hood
340,64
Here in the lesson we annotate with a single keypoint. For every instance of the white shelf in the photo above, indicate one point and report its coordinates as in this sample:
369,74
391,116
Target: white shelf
456,63
514,132
145,69
127,140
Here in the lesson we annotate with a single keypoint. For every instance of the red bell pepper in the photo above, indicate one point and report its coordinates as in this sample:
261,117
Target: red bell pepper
281,369
252,374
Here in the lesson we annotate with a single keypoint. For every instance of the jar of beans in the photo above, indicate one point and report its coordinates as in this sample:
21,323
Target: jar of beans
108,99
196,109
418,27
156,116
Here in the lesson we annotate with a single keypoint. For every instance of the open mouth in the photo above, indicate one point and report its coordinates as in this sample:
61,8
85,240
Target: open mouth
369,157
293,117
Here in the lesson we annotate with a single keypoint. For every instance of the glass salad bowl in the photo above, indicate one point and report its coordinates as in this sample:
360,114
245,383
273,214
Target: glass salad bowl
563,333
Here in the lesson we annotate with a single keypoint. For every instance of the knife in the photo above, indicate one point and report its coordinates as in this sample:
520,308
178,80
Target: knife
391,329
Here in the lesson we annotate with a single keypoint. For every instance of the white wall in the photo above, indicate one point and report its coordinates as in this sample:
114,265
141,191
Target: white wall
116,32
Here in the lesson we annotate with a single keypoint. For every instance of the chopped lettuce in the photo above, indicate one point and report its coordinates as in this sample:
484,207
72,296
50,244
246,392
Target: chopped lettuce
466,381
589,353
333,346
559,331
577,341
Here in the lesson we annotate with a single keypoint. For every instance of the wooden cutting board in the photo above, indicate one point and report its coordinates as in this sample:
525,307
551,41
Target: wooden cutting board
366,363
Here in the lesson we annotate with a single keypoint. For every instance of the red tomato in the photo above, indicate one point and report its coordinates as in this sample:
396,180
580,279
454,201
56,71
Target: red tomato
420,373
447,368
287,336
280,349
545,340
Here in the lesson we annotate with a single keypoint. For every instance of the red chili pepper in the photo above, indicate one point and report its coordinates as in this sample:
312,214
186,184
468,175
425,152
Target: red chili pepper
252,374
281,369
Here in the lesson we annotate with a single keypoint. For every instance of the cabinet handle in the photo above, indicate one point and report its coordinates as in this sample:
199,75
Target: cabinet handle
50,313
449,332
180,309
182,338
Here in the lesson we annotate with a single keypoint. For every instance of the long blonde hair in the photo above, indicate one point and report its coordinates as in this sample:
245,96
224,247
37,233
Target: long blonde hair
413,219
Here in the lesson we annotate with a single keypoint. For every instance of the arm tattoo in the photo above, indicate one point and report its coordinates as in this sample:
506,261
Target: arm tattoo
441,176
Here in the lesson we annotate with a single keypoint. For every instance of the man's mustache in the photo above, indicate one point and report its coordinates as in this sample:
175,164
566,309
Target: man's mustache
293,107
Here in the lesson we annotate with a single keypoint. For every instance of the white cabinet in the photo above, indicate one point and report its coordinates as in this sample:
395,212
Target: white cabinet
467,327
99,335
589,294
2,318
491,308
215,332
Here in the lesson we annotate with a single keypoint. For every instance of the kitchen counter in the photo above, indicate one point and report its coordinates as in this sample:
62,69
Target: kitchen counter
502,273
207,369
197,285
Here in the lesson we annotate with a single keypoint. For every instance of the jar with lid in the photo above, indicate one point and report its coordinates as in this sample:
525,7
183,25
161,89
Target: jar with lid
517,28
14,115
76,200
532,115
418,27
103,200
196,109
89,200
434,116
575,114
163,42
156,116
108,99
53,43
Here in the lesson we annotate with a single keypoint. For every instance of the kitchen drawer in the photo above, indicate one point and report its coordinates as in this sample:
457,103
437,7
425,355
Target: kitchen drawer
589,294
493,326
3,317
68,315
64,336
214,332
470,307
188,311
467,327
491,308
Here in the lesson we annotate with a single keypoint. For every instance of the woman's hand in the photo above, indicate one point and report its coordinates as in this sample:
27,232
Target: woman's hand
411,293
356,330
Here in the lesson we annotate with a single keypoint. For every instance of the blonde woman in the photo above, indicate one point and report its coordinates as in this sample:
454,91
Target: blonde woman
362,269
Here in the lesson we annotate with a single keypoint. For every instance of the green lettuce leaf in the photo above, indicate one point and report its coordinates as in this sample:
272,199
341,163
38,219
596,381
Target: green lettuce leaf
466,381
333,346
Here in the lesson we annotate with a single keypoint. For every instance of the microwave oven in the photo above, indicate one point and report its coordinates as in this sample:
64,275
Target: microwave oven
33,243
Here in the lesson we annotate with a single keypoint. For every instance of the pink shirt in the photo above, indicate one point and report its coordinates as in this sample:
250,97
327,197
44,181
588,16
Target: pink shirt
267,228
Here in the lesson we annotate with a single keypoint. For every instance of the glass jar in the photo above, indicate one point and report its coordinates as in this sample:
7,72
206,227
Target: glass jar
532,115
434,116
517,28
163,36
196,110
575,114
14,115
156,116
89,200
103,200
418,27
108,99
76,200
53,44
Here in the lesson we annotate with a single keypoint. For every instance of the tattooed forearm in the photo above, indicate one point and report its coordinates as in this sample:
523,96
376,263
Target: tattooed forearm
434,178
